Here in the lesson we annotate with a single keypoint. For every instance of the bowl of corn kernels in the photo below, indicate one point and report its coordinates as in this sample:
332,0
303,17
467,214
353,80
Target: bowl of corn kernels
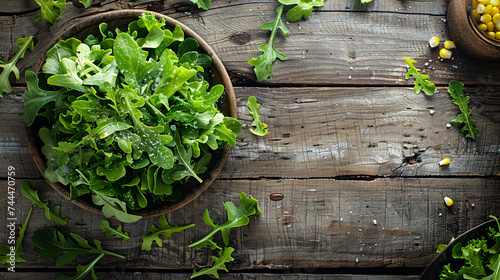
474,26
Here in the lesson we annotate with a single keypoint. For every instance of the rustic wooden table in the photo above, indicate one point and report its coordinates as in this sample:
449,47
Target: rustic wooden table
350,143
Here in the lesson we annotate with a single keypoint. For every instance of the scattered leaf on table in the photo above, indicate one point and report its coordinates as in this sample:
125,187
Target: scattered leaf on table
10,66
253,106
118,232
5,250
219,264
165,230
456,91
82,271
264,63
202,4
50,10
421,81
303,8
32,195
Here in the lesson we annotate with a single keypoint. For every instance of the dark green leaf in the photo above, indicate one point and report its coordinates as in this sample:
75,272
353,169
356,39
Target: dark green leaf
32,195
114,207
456,91
5,250
165,230
82,271
118,232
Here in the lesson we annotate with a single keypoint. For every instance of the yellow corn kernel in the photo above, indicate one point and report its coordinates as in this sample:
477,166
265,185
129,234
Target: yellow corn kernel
474,4
496,18
494,11
497,36
449,45
483,27
448,201
444,53
498,26
491,34
491,26
476,15
486,18
444,161
482,2
487,9
480,8
434,42
494,3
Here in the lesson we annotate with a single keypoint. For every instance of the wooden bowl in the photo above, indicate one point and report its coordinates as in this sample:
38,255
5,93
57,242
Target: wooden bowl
227,105
465,32
433,270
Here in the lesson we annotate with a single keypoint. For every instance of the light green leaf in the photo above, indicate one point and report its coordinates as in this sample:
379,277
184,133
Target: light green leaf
253,106
10,66
303,8
82,271
264,63
219,264
86,3
202,4
114,207
50,10
421,81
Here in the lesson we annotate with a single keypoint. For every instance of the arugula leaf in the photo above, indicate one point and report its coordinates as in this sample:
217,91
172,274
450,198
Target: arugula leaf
185,157
118,232
113,207
421,81
304,8
5,250
219,263
10,66
264,63
82,271
237,217
86,3
253,106
53,244
50,10
35,98
131,59
202,4
32,195
165,230
366,1
456,92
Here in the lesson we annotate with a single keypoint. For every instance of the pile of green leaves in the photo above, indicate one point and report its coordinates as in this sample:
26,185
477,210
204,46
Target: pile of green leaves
481,258
130,115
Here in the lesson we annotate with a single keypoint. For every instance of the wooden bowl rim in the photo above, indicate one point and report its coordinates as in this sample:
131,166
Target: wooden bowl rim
217,67
447,250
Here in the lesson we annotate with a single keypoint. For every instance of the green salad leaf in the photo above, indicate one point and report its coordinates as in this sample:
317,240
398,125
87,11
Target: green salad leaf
82,271
366,1
165,230
110,231
421,81
130,115
10,66
53,244
202,4
480,256
237,217
456,91
32,195
86,3
264,63
5,250
303,8
219,263
50,10
253,106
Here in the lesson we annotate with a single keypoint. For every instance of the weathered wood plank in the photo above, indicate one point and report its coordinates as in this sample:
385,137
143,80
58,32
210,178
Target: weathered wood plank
329,132
319,223
133,275
331,47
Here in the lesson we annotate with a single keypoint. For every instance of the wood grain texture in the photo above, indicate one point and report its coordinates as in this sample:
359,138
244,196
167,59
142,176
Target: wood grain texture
330,132
122,275
319,223
333,46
